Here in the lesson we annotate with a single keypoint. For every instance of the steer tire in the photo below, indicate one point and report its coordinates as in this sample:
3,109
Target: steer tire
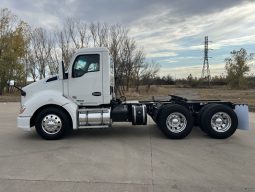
165,120
55,116
228,121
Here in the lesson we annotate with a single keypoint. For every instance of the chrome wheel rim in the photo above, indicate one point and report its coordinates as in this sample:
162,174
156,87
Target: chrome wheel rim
51,124
176,122
221,122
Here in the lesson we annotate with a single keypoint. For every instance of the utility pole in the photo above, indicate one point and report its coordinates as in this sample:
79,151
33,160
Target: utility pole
206,70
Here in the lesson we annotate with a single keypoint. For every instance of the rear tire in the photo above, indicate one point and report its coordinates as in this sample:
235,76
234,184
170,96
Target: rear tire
52,123
219,121
175,121
199,116
157,120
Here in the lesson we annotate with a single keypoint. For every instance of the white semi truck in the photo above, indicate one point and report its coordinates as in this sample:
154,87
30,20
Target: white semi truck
83,97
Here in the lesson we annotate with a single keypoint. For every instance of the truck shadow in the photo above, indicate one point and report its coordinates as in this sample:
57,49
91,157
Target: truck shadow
125,131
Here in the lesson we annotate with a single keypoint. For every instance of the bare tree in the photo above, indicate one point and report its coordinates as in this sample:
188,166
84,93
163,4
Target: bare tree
54,59
99,34
41,58
42,45
131,59
82,29
31,66
139,68
149,72
126,55
117,37
65,46
78,32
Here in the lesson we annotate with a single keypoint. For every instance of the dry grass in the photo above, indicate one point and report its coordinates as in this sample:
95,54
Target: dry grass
222,93
236,96
10,98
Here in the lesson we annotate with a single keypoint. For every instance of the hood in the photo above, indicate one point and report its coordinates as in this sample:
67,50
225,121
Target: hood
51,83
39,83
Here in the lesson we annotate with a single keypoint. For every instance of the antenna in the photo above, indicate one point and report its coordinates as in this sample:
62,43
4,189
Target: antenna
206,70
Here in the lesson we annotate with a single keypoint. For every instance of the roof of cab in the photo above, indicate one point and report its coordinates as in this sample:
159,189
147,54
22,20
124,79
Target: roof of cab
94,49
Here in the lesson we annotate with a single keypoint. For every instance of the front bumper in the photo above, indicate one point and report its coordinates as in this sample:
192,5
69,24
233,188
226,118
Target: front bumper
24,123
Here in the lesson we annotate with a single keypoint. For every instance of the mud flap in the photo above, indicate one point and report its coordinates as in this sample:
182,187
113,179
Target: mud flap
242,112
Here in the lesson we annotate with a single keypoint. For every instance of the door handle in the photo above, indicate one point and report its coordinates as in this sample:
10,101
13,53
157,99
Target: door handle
96,93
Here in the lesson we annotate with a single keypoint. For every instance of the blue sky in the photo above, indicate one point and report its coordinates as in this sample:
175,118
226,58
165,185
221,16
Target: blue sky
171,32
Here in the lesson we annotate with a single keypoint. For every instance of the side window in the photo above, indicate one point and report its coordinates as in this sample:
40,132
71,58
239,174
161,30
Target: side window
85,63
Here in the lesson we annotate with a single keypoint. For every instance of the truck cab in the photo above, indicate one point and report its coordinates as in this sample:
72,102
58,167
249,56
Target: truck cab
90,78
88,83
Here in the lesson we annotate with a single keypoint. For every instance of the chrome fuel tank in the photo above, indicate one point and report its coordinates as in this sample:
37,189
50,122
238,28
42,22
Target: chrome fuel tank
94,118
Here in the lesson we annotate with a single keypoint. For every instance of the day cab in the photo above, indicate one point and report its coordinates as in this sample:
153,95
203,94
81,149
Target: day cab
83,97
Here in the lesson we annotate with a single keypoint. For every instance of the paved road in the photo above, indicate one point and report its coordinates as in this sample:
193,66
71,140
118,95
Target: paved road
123,158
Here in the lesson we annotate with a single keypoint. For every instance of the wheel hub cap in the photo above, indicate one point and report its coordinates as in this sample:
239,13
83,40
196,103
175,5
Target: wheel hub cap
221,122
176,122
51,124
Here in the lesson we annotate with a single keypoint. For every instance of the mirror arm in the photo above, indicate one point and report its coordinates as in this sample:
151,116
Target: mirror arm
23,93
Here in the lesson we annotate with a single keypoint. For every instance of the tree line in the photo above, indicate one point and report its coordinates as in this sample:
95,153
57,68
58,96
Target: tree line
237,76
34,53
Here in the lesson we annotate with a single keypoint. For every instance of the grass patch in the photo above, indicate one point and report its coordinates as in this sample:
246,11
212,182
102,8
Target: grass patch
10,98
221,93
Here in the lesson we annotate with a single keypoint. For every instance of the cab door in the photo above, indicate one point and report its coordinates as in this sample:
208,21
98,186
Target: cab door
85,84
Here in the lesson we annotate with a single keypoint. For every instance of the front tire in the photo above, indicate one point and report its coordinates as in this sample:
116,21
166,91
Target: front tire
175,121
52,123
219,121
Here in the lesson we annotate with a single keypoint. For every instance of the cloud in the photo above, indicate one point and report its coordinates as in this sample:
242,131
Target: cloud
234,25
125,11
169,61
162,54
